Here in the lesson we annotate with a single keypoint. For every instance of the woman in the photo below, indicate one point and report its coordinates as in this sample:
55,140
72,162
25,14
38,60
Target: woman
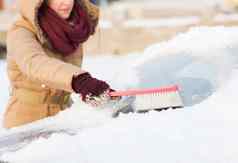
44,57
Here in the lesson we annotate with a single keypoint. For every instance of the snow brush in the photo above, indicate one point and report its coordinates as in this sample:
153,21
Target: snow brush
141,100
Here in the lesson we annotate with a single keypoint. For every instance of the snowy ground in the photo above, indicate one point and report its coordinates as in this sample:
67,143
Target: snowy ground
204,64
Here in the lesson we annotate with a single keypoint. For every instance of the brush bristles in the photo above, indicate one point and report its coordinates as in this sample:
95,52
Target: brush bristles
158,101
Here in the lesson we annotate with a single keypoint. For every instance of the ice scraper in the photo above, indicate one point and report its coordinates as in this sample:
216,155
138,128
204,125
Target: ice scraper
140,100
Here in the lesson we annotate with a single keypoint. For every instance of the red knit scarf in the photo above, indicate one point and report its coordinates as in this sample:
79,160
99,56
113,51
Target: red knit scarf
63,36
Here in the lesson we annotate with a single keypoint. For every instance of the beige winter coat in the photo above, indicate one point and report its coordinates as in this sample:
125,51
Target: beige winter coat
40,78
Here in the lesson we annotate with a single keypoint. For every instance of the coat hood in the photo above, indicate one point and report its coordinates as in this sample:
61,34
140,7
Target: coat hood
29,11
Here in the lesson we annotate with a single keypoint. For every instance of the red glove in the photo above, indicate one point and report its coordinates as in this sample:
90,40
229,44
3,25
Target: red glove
85,84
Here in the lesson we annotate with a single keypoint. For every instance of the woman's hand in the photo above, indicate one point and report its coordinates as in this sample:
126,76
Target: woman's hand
93,91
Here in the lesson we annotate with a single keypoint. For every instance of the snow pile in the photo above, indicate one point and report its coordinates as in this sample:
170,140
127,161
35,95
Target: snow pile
205,133
205,59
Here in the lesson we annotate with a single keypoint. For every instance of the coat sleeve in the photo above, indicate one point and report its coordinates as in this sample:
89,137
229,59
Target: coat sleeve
32,60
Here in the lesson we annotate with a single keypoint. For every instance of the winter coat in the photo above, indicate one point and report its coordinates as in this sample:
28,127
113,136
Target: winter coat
40,78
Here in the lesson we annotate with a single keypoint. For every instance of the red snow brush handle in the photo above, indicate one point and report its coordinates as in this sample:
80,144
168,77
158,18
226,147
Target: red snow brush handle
134,92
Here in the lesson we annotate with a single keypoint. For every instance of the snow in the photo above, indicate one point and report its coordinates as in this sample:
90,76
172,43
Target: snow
203,55
153,23
4,88
161,4
105,24
158,23
226,17
202,61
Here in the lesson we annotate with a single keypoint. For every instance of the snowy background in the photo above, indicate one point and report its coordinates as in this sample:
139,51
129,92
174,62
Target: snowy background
203,62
